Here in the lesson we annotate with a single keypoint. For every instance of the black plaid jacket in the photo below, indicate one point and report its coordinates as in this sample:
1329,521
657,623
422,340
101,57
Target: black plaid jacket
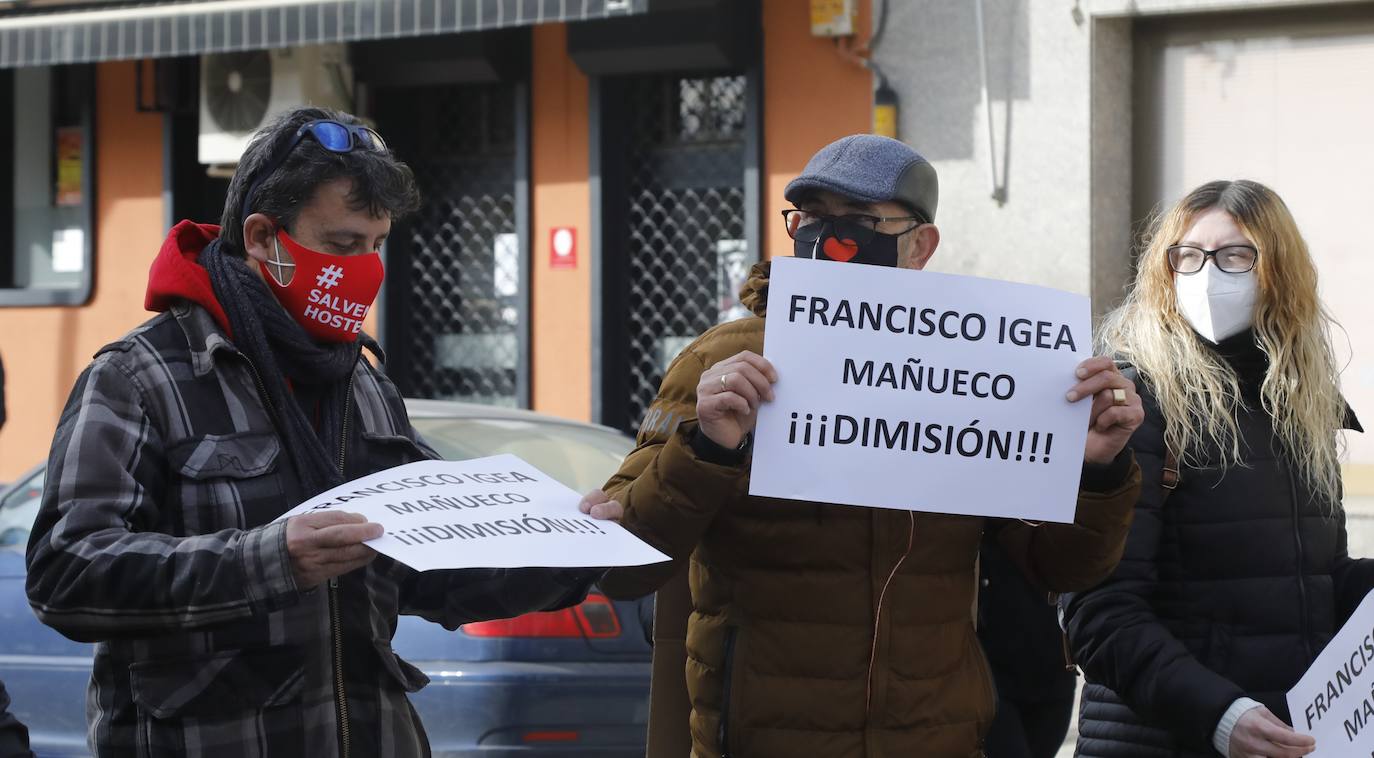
155,540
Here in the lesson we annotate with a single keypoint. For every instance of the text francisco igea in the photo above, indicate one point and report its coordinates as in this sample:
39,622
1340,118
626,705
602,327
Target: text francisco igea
425,480
928,322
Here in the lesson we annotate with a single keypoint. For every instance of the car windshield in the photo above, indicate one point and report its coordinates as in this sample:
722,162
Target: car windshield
18,508
581,457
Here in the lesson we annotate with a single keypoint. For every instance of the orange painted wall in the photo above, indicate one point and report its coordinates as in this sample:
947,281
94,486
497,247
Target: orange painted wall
560,298
46,348
798,69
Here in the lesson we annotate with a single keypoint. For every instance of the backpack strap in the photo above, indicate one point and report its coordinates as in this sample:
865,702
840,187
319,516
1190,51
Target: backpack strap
1069,663
1171,474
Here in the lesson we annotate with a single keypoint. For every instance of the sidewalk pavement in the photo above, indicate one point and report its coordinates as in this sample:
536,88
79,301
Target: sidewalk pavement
1359,514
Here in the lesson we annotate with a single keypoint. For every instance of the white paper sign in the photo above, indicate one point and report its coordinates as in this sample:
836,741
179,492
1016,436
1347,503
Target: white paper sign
496,512
1334,700
922,391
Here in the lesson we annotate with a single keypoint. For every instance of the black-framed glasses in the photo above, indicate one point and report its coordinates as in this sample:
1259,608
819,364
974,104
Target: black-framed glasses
805,226
1233,259
331,135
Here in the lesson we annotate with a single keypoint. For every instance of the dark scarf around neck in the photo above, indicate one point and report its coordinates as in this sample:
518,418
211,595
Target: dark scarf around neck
280,350
1242,352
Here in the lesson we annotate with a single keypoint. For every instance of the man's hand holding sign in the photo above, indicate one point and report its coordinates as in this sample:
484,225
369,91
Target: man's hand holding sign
327,544
1116,411
729,396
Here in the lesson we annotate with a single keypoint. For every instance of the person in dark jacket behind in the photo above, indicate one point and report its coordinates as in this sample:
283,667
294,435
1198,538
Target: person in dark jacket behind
1233,582
1025,649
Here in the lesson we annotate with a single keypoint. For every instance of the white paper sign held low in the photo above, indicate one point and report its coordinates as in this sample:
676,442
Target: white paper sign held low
1334,700
496,512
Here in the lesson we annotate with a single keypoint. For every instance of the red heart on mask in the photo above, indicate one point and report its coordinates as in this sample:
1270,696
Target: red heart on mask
840,250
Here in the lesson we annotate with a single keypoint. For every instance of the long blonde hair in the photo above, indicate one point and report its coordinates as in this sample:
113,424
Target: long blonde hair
1198,393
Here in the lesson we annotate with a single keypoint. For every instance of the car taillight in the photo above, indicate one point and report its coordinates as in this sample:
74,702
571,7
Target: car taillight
556,624
550,736
594,619
598,618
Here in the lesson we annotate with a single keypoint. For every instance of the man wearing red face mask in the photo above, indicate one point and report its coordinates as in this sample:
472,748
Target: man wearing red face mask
221,633
823,630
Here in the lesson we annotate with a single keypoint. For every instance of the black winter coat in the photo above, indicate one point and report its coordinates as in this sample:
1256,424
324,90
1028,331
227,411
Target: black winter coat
1019,631
1230,587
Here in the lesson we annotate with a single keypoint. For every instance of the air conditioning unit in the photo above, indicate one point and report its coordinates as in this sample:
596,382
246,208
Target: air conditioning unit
240,92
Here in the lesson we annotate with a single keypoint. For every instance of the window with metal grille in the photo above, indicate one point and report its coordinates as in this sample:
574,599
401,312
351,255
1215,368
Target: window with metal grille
684,232
454,315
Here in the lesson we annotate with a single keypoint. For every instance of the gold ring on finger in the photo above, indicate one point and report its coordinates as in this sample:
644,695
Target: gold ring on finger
1118,396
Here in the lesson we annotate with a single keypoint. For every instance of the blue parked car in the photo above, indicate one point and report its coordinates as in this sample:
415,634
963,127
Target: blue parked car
545,685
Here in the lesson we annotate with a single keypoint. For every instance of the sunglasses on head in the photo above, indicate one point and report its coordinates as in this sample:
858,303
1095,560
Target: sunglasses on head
331,135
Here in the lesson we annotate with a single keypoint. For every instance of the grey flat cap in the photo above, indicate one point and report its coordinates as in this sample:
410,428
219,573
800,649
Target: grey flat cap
873,169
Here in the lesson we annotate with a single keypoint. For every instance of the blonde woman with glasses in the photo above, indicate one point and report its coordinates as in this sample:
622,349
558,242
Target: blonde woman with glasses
1236,572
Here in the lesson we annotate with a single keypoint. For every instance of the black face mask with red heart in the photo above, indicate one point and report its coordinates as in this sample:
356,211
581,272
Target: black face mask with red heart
879,251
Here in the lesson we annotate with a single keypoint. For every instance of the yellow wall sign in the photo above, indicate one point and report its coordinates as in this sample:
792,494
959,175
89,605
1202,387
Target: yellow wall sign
67,143
832,18
885,120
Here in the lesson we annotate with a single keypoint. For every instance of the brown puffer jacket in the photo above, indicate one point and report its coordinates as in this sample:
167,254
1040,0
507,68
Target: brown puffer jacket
824,630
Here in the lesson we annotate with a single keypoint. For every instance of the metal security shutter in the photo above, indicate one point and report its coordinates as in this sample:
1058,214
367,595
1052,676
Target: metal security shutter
676,250
456,285
1281,98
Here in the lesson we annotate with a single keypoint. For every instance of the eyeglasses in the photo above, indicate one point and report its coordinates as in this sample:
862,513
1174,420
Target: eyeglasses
331,135
1233,259
805,226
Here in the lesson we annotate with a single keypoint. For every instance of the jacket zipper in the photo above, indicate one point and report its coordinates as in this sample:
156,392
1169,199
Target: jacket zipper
343,439
336,628
723,733
878,613
262,393
1302,585
336,631
340,696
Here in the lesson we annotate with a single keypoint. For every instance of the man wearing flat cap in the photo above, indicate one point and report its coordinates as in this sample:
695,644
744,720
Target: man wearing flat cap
824,630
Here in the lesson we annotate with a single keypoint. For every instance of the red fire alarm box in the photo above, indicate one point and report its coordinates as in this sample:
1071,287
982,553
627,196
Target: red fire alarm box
563,247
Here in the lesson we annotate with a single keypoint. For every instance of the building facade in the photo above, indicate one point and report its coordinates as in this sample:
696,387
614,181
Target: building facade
596,176
1077,120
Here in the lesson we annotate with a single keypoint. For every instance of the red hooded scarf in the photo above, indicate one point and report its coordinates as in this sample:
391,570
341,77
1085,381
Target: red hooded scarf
177,275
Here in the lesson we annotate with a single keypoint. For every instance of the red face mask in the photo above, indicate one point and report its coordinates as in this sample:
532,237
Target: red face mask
329,295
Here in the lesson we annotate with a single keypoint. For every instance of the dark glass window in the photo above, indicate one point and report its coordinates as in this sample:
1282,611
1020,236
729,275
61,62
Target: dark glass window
47,185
